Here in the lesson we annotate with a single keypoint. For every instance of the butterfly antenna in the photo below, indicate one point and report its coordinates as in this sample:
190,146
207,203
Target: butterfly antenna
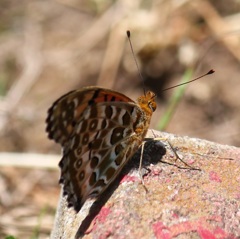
134,57
184,83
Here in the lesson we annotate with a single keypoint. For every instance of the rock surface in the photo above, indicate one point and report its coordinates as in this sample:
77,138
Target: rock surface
179,203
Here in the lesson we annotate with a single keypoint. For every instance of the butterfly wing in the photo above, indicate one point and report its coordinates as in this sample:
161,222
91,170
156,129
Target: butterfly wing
97,152
68,109
98,131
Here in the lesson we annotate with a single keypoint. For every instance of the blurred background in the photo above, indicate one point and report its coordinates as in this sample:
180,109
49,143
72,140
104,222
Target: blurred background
48,48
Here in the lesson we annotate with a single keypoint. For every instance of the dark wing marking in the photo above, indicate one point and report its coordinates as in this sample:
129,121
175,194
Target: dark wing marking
65,112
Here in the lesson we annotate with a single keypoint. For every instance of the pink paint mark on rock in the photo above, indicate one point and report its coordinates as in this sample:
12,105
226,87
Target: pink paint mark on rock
160,231
202,227
156,172
128,178
213,176
205,233
237,196
175,215
191,161
101,217
217,233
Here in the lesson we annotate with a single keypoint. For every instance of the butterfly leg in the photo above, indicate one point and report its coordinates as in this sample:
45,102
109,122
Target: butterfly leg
177,157
140,167
151,151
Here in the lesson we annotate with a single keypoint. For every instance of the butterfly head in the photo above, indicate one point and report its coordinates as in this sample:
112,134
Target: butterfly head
147,102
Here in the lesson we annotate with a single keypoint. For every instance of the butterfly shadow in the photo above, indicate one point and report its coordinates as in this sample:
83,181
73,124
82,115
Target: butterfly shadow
152,154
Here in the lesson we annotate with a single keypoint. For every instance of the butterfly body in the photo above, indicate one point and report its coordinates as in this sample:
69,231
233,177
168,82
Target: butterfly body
99,130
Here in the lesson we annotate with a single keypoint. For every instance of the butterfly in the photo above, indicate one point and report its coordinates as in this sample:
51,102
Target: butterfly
99,130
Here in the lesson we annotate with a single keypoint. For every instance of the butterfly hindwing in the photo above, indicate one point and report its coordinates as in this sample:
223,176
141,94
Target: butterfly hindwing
96,153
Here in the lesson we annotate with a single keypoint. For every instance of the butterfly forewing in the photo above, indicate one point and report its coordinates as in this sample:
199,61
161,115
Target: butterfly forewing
67,110
103,131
